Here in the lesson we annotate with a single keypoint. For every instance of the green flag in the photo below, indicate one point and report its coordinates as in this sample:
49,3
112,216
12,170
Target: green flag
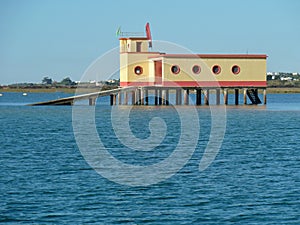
118,32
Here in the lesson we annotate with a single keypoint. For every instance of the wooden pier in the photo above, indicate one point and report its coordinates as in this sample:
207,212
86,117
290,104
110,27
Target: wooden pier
140,96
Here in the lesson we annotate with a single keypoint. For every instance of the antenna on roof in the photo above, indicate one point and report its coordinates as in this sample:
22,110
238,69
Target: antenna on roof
148,33
119,33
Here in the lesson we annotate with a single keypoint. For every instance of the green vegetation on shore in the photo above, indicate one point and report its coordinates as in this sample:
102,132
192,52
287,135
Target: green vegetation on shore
94,89
69,86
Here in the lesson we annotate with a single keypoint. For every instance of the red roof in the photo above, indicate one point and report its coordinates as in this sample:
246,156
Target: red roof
213,56
133,38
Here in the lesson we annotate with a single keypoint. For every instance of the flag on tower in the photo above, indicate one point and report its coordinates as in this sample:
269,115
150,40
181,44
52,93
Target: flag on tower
118,32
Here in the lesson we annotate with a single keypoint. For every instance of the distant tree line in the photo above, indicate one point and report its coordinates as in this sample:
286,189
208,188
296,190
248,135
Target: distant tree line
65,82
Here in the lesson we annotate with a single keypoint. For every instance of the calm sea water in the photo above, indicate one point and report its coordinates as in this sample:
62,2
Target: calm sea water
255,178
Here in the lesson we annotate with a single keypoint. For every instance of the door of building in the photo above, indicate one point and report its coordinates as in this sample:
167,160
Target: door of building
158,72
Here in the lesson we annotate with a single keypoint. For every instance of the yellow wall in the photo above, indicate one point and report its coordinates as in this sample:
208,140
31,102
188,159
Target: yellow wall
128,61
128,45
250,69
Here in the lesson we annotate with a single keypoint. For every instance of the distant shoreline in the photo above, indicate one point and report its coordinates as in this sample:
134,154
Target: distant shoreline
270,90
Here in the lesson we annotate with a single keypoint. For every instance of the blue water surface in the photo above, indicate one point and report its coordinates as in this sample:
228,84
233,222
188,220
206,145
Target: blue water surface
255,178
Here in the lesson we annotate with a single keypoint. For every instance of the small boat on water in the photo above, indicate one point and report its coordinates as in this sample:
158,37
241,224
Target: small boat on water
1,94
25,94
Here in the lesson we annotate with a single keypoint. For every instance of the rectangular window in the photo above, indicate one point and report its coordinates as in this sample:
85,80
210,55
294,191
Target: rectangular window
138,46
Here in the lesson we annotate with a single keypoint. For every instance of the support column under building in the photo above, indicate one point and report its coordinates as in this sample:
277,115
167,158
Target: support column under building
155,96
198,96
160,96
120,98
142,97
146,97
217,96
178,96
133,97
206,96
111,99
92,101
265,96
236,96
186,96
163,93
226,96
245,96
114,99
137,97
167,97
125,98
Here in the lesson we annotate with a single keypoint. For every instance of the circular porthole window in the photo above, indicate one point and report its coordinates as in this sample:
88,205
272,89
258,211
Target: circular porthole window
216,69
175,69
138,70
236,69
196,69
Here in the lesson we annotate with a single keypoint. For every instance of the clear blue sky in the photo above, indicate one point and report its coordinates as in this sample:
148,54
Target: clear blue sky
59,38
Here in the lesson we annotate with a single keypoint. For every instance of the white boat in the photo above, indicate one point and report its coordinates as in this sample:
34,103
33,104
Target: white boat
24,94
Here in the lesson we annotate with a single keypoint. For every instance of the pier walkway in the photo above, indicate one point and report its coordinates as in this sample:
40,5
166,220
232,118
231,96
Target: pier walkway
90,96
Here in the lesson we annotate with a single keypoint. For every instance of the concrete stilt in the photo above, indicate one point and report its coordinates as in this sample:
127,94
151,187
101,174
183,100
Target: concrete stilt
120,98
245,96
111,99
125,98
146,97
142,97
217,96
114,99
160,96
133,97
137,97
198,96
236,96
206,96
265,96
92,101
178,96
256,91
167,97
186,96
226,96
163,96
155,96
